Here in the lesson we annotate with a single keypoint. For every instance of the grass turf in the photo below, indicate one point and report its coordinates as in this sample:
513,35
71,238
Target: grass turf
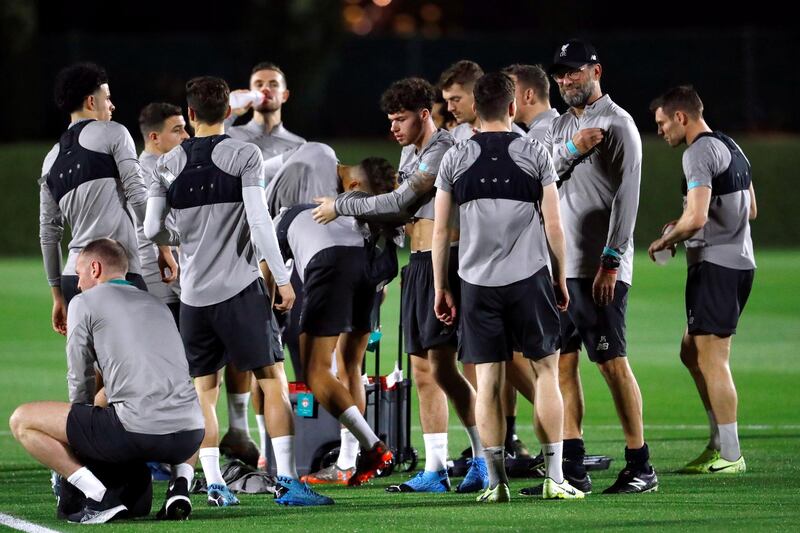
764,367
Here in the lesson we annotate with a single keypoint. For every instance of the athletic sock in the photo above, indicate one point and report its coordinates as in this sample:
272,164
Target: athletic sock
511,431
348,450
353,420
209,458
184,470
262,435
496,465
85,481
435,451
638,458
475,441
729,442
552,461
237,411
283,448
574,454
713,440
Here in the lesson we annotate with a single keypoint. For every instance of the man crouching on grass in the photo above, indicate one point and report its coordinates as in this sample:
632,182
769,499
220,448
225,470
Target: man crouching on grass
152,414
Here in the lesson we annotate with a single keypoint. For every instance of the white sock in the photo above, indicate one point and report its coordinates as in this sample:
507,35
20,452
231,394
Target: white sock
475,441
435,451
262,435
184,470
729,442
496,465
283,448
237,411
713,440
552,461
353,420
88,484
348,450
209,458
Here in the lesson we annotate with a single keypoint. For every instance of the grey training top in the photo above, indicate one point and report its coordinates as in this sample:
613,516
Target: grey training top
132,339
309,172
464,131
725,239
600,190
217,256
502,236
271,143
415,194
538,127
307,238
148,251
95,208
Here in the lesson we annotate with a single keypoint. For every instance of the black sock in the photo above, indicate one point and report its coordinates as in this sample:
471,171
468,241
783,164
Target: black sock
574,452
639,459
511,430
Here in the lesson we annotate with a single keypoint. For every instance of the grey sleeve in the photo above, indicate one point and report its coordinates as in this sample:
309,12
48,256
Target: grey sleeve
155,227
391,203
444,178
563,159
626,162
702,161
229,121
81,355
51,229
532,157
420,183
123,150
262,229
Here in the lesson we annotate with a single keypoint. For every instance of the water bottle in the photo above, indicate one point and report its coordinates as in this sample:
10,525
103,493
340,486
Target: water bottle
662,257
239,100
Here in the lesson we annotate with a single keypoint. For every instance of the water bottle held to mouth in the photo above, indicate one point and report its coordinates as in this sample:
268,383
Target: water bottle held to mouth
242,99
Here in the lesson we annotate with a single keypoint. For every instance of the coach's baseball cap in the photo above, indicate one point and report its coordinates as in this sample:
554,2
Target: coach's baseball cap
573,54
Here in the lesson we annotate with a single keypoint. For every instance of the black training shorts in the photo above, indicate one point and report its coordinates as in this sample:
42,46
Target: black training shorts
240,330
421,329
600,328
520,315
96,434
337,298
715,298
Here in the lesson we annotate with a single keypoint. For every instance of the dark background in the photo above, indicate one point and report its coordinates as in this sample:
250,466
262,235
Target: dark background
340,54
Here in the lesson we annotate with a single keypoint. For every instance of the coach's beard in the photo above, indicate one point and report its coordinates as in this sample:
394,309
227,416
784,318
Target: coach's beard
580,96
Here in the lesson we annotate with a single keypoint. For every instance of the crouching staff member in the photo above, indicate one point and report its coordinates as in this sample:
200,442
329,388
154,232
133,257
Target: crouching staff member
153,413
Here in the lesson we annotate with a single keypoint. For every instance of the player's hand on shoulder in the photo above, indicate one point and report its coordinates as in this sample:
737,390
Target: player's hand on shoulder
587,138
326,210
287,295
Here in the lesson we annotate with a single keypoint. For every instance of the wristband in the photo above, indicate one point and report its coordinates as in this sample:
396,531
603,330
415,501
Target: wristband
610,261
571,147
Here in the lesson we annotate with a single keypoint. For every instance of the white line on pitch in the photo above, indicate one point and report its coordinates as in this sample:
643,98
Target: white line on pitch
23,525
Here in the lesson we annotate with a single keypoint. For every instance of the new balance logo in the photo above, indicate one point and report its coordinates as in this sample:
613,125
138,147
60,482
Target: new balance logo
603,344
637,483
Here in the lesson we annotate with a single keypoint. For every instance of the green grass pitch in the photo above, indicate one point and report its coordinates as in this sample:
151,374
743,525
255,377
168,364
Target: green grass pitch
765,364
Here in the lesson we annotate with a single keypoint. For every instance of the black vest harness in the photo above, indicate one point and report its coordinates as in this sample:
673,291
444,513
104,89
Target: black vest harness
75,164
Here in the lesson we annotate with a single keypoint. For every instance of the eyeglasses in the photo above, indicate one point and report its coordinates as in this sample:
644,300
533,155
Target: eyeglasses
572,75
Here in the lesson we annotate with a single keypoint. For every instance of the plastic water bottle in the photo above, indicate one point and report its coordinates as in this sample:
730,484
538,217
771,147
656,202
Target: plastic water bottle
239,100
662,257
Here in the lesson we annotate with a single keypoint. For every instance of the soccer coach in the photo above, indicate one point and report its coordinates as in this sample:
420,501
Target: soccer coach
153,412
